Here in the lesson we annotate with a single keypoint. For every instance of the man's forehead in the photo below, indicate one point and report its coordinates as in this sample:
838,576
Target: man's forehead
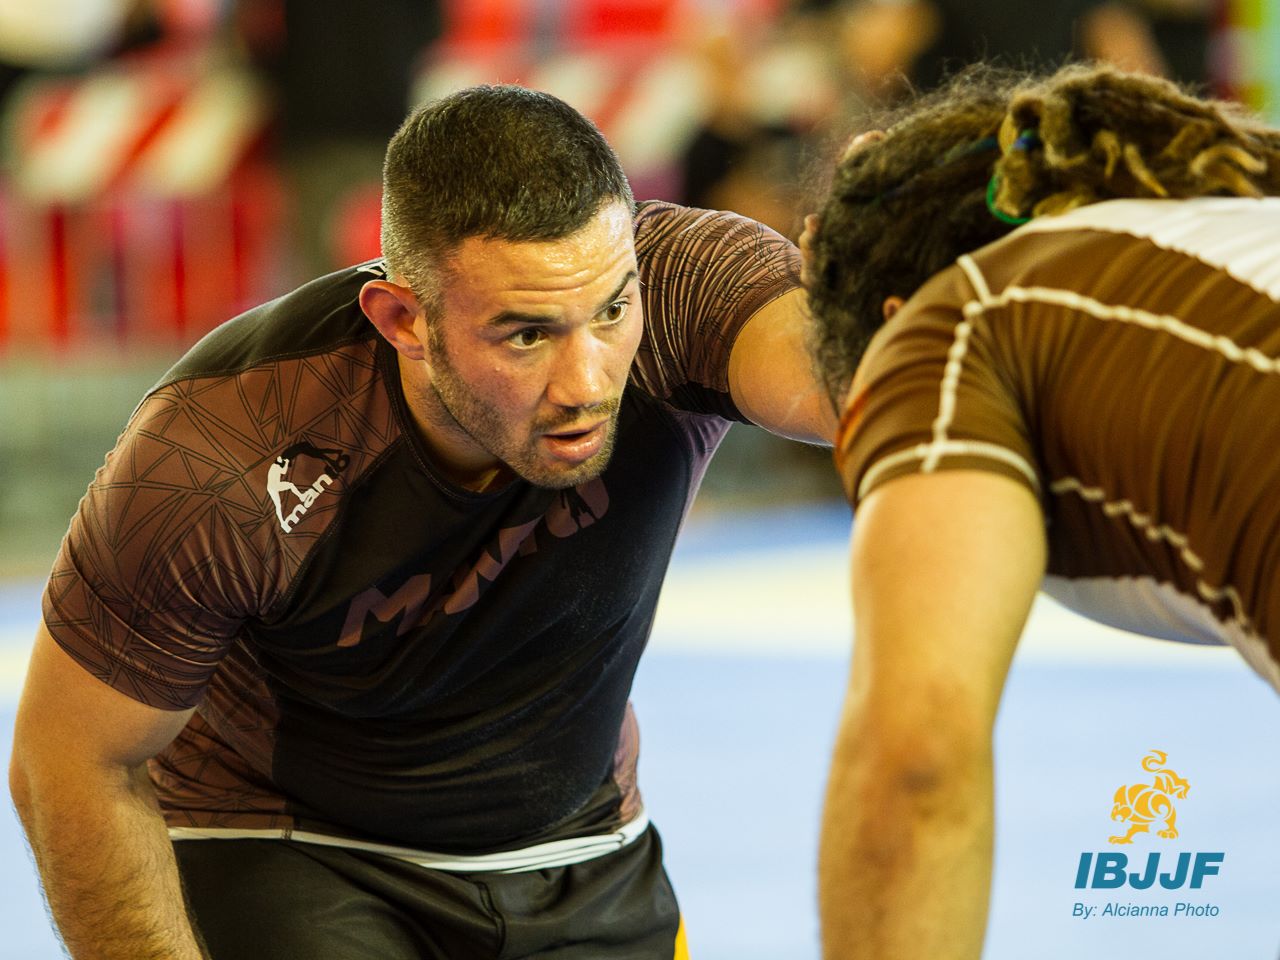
604,246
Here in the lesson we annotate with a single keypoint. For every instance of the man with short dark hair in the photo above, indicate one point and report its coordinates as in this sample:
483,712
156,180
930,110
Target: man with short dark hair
368,575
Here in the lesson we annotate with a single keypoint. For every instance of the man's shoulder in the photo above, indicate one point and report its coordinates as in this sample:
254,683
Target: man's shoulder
675,241
647,210
319,317
704,274
299,379
653,220
657,221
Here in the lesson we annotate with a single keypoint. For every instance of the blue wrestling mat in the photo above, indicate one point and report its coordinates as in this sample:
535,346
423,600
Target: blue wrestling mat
738,699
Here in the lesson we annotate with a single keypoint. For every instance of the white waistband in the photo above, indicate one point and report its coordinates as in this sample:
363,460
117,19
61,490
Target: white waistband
555,853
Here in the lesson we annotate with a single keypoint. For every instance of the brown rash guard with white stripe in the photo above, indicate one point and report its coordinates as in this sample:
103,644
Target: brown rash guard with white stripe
373,652
1121,362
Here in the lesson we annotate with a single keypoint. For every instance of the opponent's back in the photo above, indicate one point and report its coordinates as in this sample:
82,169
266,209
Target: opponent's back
1119,360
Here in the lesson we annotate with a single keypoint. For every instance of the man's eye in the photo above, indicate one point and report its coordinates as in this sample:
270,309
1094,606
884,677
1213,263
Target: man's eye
616,310
528,337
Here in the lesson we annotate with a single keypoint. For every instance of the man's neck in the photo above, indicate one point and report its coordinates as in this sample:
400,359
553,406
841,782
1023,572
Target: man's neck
453,451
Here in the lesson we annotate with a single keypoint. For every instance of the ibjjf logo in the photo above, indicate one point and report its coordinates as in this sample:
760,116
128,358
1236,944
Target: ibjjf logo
1140,805
315,467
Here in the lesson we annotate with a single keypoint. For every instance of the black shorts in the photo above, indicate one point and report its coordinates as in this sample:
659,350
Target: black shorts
283,900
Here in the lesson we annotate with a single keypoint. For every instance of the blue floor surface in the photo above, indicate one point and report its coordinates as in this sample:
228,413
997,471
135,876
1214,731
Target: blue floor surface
736,742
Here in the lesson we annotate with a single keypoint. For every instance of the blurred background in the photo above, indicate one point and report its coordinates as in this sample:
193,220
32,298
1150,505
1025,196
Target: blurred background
165,164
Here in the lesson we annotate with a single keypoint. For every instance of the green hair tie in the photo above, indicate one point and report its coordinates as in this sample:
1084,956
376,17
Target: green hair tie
1027,139
992,186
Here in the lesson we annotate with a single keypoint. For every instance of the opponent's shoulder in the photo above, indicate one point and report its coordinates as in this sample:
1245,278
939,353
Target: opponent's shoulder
924,327
940,387
1109,249
1187,223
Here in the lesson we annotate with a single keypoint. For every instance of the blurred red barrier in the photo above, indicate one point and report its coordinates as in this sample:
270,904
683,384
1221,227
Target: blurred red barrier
140,205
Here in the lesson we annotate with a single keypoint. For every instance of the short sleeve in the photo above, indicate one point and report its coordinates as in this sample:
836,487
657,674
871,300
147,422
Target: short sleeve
935,391
157,571
704,274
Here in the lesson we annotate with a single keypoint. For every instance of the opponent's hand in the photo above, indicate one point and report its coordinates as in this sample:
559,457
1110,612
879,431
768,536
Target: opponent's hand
812,222
860,141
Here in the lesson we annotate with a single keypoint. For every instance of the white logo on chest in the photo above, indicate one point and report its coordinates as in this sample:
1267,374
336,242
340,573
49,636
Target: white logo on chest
300,461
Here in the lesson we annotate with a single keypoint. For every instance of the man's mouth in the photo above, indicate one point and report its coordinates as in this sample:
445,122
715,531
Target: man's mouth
577,444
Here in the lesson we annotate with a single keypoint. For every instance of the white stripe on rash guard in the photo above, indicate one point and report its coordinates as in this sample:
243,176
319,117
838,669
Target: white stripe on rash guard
556,853
958,448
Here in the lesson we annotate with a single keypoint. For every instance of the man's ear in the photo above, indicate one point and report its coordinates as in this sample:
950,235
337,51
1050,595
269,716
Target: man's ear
395,311
891,306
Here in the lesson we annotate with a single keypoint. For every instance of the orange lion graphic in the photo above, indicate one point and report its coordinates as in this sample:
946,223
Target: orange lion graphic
1143,803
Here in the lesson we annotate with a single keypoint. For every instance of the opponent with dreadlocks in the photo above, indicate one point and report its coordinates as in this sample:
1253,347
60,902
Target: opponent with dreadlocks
1061,298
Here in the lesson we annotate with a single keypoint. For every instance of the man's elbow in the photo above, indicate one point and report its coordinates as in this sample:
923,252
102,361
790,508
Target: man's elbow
20,786
917,762
40,772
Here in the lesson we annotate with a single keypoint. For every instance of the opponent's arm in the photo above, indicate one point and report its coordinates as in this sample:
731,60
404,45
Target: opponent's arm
79,783
771,377
945,567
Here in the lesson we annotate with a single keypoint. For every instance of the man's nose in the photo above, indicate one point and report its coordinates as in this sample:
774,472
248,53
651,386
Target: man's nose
580,377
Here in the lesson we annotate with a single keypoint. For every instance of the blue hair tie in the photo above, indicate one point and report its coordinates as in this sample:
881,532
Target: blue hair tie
1027,139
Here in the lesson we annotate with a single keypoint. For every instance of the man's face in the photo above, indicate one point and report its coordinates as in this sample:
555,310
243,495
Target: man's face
532,344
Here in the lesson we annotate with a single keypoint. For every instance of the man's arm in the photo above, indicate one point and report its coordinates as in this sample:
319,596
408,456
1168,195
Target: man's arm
945,567
771,376
79,782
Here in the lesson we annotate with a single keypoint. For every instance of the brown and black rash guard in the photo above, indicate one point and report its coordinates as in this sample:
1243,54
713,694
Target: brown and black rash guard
374,652
1122,361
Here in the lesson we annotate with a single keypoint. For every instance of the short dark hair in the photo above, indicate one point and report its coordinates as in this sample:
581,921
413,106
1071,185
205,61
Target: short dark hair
502,162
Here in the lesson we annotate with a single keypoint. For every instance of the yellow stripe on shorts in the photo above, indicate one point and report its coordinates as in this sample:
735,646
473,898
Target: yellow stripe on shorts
682,948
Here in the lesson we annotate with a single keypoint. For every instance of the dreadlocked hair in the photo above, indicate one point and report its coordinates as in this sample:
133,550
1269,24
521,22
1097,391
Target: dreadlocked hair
960,167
